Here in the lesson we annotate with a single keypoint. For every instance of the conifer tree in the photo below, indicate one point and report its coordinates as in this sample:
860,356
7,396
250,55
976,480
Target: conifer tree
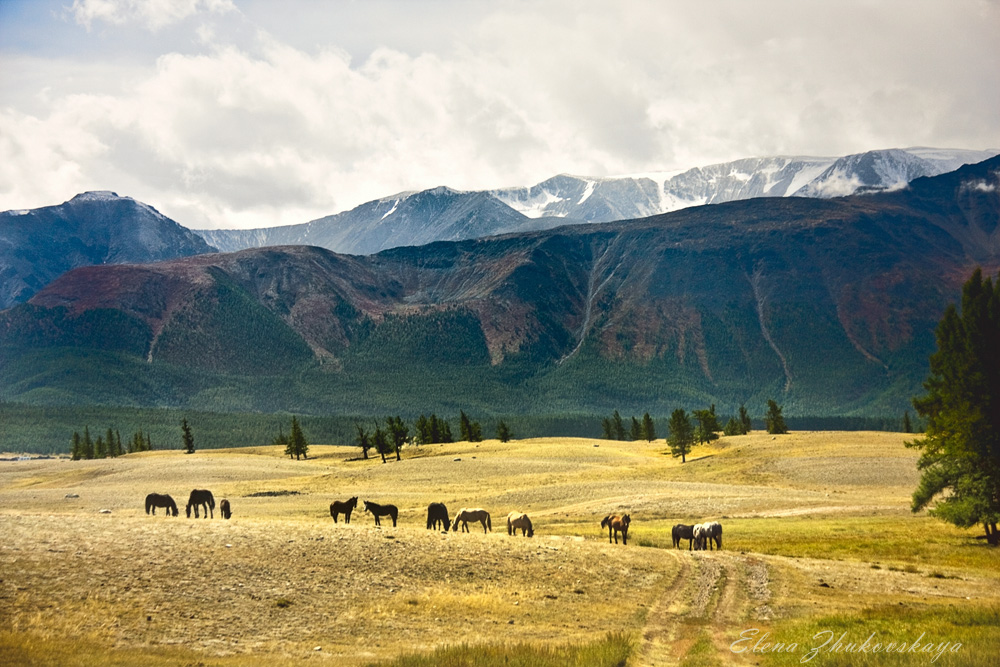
363,440
745,420
773,420
297,444
607,429
88,444
76,450
398,432
503,432
681,435
907,426
960,457
635,432
619,426
187,438
708,425
648,428
380,442
423,431
100,451
733,427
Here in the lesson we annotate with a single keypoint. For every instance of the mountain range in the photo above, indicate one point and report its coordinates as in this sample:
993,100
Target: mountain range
443,214
828,305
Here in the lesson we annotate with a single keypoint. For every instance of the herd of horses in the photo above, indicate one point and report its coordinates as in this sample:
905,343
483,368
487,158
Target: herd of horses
199,498
700,536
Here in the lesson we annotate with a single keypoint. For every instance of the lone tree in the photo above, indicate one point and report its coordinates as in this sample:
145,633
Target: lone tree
773,420
960,461
186,438
297,445
681,435
648,428
503,431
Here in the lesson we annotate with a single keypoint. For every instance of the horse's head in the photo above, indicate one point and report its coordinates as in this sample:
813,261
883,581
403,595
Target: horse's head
531,531
367,508
353,502
626,519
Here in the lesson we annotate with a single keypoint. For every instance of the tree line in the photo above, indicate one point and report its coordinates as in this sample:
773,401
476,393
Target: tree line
427,431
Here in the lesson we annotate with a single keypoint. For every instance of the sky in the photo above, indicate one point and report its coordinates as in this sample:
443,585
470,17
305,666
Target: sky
242,114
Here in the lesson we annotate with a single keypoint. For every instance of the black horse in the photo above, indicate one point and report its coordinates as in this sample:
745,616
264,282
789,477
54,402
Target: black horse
224,509
344,507
204,498
155,500
682,532
437,515
382,510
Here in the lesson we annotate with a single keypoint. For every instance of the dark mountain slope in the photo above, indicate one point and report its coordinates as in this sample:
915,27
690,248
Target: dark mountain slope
828,305
37,246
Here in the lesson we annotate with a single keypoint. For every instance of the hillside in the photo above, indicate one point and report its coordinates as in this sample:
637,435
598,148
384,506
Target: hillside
828,305
38,245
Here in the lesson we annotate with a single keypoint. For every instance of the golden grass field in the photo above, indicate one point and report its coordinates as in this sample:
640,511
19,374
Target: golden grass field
818,537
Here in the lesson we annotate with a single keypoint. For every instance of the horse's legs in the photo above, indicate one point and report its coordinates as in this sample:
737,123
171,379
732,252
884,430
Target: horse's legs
625,537
394,520
483,521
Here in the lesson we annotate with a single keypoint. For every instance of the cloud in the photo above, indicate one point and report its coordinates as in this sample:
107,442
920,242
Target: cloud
152,14
236,125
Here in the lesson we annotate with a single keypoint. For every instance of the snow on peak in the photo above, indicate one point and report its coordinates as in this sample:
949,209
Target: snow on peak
97,195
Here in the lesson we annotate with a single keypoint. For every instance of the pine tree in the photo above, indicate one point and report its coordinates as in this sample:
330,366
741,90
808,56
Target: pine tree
88,444
619,427
100,451
398,432
76,450
445,431
297,444
745,420
362,440
423,428
648,428
960,458
733,427
110,438
607,429
380,442
187,438
907,426
503,432
635,432
773,420
708,425
681,435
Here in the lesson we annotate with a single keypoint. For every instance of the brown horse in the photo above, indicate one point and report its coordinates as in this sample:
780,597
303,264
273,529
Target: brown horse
155,500
464,516
682,532
224,509
202,498
382,510
617,524
344,507
437,516
519,520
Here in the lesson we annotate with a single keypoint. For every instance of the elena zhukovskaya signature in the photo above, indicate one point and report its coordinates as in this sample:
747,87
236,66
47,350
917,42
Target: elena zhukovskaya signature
826,641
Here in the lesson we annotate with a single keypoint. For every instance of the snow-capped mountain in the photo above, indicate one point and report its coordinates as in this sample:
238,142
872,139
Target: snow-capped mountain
636,196
443,214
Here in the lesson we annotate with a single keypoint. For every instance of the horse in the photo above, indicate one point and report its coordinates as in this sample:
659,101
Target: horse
224,509
713,532
344,507
682,532
616,524
465,515
520,520
201,497
437,515
382,510
155,500
700,536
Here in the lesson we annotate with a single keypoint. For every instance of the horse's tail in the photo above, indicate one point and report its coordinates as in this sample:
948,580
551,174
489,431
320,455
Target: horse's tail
605,521
148,504
489,523
333,512
211,500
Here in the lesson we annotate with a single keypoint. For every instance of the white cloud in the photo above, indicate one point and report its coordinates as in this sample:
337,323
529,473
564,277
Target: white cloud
152,14
233,125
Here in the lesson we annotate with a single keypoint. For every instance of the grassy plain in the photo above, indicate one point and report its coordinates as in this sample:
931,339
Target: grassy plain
817,537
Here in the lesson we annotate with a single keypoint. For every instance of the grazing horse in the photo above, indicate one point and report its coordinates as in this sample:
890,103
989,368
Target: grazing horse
224,509
617,524
682,532
344,507
465,515
382,510
699,536
520,520
437,515
155,500
204,498
713,533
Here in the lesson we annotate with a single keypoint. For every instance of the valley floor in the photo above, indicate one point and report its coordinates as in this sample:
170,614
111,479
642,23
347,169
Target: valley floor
817,538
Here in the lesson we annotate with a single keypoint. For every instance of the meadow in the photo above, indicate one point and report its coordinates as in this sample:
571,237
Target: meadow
818,544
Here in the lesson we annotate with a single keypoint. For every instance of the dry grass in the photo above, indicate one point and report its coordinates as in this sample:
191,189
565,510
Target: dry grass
280,579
